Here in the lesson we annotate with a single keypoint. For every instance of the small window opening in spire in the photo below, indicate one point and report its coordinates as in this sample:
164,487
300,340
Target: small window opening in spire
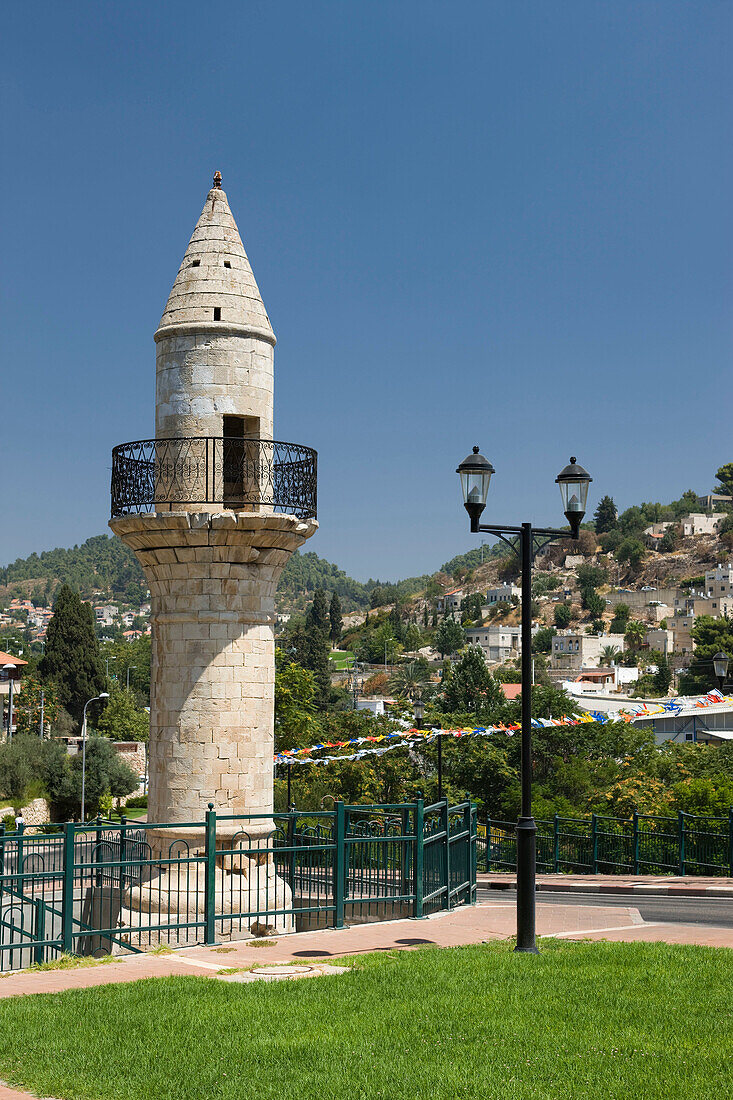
195,263
227,263
217,313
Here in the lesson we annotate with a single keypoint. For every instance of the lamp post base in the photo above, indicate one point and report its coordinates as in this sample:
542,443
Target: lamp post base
526,867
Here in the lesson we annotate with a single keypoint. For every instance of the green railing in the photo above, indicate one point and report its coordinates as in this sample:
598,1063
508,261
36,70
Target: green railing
640,845
115,887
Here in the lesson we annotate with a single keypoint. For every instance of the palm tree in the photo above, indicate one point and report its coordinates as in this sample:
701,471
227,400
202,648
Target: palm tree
609,653
409,681
635,634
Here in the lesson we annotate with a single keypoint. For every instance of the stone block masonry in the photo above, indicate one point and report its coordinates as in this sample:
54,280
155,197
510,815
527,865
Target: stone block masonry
212,580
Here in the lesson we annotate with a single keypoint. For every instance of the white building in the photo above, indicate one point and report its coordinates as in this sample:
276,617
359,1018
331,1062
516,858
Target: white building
499,643
697,523
575,651
719,581
502,594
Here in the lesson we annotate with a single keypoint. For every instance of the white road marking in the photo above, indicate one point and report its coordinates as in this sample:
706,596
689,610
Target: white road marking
589,931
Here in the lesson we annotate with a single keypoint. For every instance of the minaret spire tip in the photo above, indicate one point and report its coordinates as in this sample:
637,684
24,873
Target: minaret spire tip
217,180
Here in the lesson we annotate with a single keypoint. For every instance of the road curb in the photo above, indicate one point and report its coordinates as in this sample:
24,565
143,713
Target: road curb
628,888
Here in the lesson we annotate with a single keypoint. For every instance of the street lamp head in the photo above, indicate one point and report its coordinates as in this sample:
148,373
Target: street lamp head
574,482
103,695
720,664
475,474
419,709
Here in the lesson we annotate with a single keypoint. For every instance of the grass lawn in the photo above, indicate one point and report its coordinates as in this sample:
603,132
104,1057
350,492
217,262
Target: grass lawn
582,1020
341,659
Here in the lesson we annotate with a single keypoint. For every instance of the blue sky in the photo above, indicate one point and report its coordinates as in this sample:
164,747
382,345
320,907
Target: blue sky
505,223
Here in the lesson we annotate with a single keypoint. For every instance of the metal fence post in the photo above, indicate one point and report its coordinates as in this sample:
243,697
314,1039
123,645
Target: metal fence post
681,834
123,851
730,840
291,845
98,851
339,865
488,844
39,950
405,852
445,816
470,849
67,890
210,876
556,842
420,853
635,822
594,841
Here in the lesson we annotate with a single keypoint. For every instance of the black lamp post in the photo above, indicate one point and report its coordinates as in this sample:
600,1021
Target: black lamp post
720,664
525,541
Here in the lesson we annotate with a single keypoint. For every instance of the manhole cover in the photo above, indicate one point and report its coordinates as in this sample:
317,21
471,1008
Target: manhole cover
281,971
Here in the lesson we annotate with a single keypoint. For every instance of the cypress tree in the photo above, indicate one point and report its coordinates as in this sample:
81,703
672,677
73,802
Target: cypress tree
72,658
337,623
318,612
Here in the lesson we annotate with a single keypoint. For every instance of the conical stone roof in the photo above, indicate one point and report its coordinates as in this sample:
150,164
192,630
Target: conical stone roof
215,289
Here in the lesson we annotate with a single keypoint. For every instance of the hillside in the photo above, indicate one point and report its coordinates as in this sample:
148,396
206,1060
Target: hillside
104,567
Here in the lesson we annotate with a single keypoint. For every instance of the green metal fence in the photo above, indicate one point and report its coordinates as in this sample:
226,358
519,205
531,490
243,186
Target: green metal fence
641,845
117,887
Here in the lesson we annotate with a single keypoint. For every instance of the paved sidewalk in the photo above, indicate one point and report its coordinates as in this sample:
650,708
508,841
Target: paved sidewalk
697,887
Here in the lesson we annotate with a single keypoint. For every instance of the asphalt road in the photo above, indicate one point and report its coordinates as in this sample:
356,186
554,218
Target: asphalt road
674,910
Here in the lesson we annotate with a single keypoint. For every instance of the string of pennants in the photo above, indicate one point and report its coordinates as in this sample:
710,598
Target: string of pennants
385,742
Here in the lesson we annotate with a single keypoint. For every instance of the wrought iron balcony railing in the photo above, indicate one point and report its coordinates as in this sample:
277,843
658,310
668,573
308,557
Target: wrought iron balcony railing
156,475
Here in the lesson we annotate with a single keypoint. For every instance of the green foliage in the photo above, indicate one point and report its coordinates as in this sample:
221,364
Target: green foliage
630,550
306,572
463,562
100,563
135,656
591,576
669,540
72,658
632,521
28,705
635,633
620,618
725,476
663,675
335,620
611,540
411,680
106,774
308,645
471,687
594,604
709,635
295,690
449,637
122,719
562,615
606,515
542,641
542,583
20,767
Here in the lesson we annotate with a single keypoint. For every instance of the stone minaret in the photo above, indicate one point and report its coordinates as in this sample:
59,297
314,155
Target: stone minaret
218,509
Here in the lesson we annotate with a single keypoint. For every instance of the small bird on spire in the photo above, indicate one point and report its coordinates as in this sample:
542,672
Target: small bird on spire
217,180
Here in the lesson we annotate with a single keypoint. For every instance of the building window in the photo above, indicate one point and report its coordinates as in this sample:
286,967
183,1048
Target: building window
217,313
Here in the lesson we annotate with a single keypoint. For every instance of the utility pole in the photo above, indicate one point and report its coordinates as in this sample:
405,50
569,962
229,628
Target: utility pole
42,702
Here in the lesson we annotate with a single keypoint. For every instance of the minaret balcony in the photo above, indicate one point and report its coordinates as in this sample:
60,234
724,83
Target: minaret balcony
214,473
